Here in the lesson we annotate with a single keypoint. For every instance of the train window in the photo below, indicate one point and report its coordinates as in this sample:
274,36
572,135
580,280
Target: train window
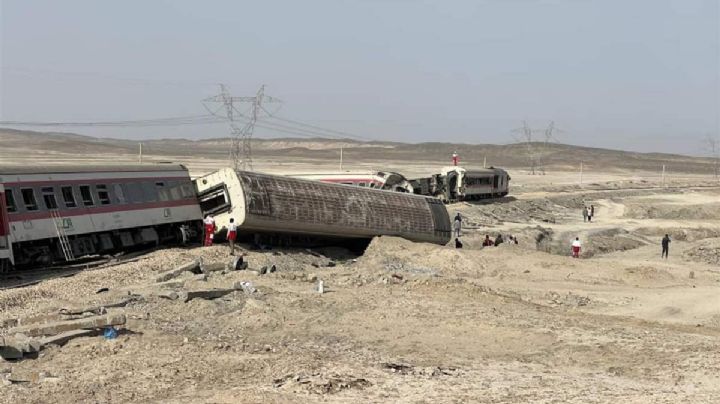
86,195
214,200
28,195
362,184
150,192
103,194
10,201
159,184
163,194
48,194
175,193
188,191
134,192
68,197
119,193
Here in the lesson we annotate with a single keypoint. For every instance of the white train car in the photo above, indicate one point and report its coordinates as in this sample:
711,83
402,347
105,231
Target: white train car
59,213
283,210
389,181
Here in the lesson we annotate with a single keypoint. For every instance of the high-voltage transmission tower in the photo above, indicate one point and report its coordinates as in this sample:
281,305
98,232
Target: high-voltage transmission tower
241,148
535,149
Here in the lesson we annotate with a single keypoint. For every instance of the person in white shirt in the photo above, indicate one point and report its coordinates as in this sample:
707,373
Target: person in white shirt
576,247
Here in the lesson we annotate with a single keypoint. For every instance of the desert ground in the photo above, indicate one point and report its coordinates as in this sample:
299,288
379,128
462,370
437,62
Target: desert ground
413,322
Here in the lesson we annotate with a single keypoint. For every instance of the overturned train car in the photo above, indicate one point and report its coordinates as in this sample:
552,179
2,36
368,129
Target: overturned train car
291,211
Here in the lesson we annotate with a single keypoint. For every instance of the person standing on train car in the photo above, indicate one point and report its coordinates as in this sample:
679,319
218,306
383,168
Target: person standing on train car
455,158
232,235
209,230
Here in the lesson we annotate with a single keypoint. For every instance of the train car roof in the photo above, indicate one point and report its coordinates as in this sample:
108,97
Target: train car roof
17,169
476,171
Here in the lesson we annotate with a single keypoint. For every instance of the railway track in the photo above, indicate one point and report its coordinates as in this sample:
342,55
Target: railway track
29,277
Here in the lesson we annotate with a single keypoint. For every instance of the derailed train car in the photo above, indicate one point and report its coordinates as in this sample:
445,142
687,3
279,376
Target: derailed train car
387,180
55,214
485,183
290,209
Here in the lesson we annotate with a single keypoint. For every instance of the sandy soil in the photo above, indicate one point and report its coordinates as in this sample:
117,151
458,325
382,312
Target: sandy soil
412,322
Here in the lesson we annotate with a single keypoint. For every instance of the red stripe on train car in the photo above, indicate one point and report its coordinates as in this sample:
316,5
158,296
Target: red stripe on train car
91,181
19,217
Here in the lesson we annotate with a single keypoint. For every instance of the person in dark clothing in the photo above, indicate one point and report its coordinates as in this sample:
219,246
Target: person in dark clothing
592,212
498,240
487,242
458,243
665,246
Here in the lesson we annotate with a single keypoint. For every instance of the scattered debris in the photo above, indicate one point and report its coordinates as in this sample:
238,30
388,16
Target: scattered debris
317,383
193,267
63,326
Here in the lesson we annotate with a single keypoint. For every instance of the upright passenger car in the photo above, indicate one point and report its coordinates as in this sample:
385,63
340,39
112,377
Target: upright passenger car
59,213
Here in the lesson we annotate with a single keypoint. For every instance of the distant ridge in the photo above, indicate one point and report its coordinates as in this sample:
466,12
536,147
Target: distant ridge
554,155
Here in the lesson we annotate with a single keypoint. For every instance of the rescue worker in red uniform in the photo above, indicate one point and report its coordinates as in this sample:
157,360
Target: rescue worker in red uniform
209,230
232,235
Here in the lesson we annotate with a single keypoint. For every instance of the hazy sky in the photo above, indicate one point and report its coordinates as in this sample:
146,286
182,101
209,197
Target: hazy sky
641,75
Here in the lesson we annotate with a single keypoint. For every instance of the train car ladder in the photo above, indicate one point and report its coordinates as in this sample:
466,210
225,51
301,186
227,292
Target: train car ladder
62,236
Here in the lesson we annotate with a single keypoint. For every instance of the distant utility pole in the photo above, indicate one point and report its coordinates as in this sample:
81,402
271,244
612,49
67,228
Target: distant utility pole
241,148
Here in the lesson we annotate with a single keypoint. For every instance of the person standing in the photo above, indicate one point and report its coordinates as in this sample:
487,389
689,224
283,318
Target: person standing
209,223
457,225
665,246
499,240
232,235
585,213
592,211
576,247
487,242
589,214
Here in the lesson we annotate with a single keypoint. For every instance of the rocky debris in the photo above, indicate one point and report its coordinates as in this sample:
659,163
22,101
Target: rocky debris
318,383
207,294
708,252
570,299
30,339
99,309
193,267
408,369
64,326
246,287
401,267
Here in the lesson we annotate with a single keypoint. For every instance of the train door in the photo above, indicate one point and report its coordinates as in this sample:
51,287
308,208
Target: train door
452,186
496,180
5,246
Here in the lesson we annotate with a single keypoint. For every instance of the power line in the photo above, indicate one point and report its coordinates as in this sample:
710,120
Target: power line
321,129
170,121
241,149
